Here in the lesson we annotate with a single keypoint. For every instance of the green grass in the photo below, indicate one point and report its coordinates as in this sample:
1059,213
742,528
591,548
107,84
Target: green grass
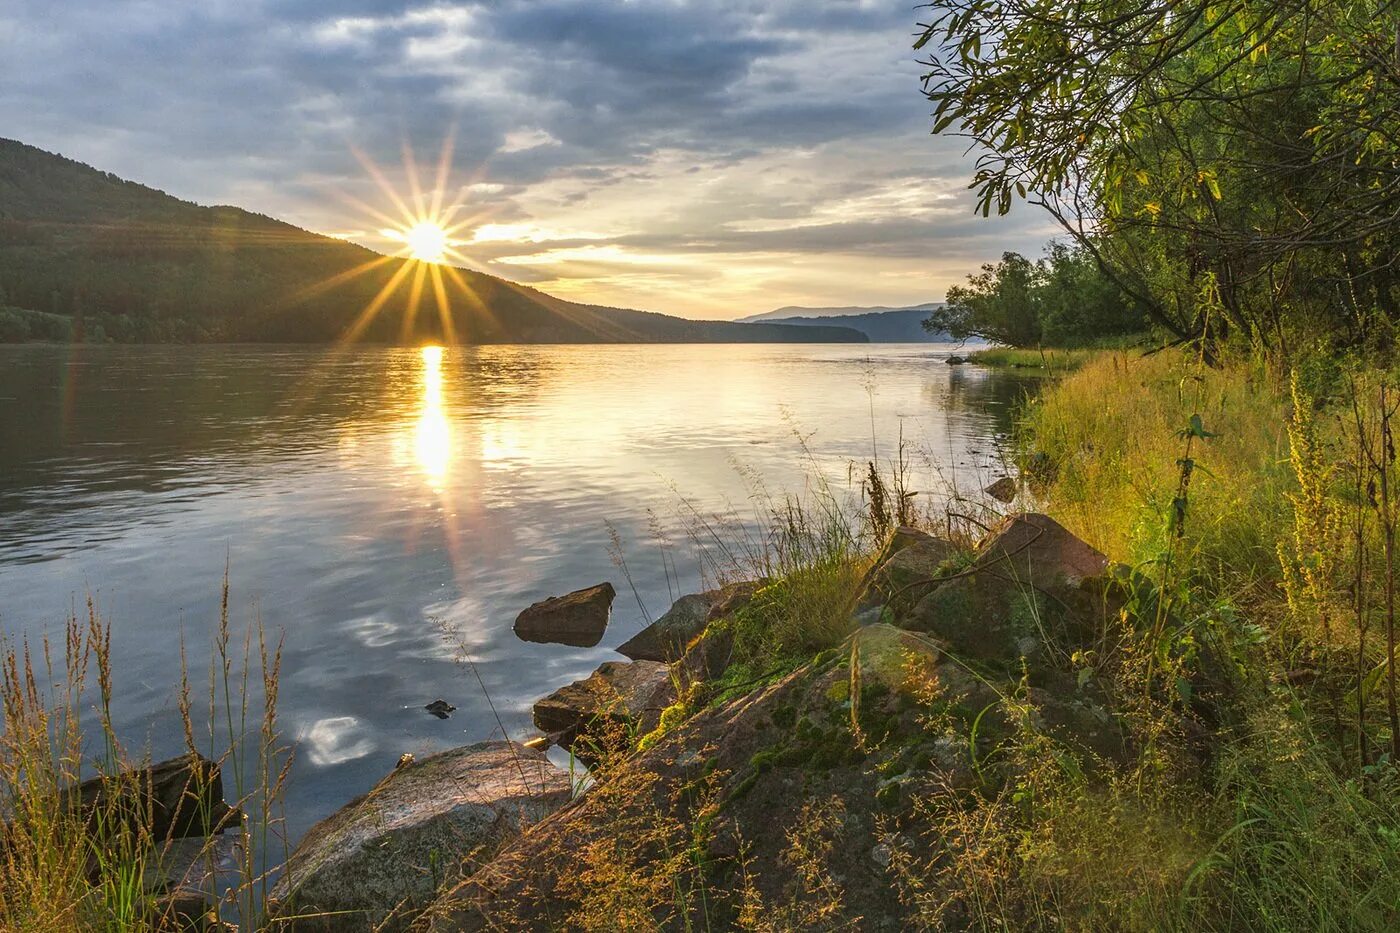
1048,360
1288,830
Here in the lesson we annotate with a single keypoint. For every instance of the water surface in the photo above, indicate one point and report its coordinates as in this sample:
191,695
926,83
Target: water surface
365,501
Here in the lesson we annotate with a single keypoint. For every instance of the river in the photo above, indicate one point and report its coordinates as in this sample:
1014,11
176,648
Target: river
387,510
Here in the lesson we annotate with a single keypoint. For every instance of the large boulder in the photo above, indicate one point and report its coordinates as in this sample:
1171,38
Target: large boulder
666,638
1038,550
375,863
734,597
577,619
619,699
708,656
1031,587
833,750
906,567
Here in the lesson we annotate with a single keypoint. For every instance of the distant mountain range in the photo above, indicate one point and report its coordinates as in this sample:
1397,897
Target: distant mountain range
798,311
85,252
880,325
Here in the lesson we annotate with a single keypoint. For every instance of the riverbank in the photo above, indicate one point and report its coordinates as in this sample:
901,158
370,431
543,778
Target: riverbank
1127,698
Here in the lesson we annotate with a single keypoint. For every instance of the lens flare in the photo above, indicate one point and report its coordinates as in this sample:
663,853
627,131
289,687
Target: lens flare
426,242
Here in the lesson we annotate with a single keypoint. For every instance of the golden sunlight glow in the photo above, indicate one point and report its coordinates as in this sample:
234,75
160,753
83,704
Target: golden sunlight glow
432,435
426,241
425,223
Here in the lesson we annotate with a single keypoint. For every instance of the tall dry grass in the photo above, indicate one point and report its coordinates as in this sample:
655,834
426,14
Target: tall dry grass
90,862
1272,805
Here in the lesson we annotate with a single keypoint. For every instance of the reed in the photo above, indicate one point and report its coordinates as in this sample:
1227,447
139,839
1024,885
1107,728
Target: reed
71,863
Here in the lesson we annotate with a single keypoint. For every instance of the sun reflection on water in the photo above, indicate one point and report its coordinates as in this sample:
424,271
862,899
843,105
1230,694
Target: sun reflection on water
432,437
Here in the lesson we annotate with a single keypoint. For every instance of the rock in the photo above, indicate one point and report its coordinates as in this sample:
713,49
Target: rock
911,559
1003,490
441,708
377,861
733,597
1036,549
1040,468
708,656
667,637
1031,581
870,616
739,779
577,619
184,797
620,696
956,360
183,876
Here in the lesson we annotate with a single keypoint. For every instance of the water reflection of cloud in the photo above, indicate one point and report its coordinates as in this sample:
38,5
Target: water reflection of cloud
335,740
372,631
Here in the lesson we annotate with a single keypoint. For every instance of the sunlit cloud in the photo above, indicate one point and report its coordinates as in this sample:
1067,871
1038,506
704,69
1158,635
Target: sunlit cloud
522,140
526,233
603,254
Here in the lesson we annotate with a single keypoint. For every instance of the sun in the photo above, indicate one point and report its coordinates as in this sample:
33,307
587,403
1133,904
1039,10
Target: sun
427,241
424,227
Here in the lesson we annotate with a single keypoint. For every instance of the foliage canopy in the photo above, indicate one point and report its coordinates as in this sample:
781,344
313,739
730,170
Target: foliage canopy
1252,143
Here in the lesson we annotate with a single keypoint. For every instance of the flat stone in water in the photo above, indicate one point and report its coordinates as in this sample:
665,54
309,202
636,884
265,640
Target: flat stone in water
577,619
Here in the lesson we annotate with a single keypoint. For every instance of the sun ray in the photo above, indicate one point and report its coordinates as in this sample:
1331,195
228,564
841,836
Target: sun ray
382,182
415,295
338,279
372,309
386,219
443,168
449,331
473,299
415,189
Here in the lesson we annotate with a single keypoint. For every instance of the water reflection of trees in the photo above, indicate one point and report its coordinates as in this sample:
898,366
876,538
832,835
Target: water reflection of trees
983,398
85,423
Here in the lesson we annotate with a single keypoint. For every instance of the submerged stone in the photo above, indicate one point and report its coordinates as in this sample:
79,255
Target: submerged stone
1003,490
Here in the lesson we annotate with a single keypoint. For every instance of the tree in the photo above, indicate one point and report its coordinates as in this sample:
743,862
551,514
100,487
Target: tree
1062,299
1252,142
997,304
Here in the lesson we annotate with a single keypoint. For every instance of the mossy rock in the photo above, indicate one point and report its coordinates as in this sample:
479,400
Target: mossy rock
909,562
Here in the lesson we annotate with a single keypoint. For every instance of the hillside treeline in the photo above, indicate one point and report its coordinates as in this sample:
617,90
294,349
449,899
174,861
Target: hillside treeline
87,255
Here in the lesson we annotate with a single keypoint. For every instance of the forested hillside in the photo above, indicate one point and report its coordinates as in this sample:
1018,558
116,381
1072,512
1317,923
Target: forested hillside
898,325
125,262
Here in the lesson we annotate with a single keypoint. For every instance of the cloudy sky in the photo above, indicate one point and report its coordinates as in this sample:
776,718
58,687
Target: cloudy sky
712,158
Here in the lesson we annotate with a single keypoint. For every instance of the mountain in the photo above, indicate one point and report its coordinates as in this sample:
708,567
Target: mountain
797,311
85,252
901,325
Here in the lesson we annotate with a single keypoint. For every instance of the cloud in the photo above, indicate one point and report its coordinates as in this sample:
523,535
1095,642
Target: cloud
715,147
522,140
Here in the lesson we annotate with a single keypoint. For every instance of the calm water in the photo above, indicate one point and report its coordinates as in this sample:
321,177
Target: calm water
362,500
